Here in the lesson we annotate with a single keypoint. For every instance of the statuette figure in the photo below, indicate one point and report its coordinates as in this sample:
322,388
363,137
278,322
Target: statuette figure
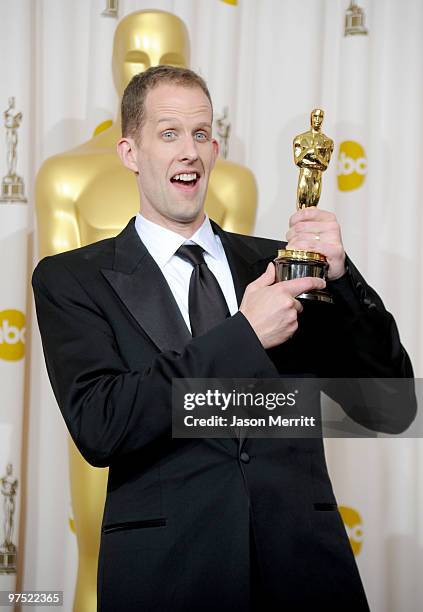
312,153
12,189
8,486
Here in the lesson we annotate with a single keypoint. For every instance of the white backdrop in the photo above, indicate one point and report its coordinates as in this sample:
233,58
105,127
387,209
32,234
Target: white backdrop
271,62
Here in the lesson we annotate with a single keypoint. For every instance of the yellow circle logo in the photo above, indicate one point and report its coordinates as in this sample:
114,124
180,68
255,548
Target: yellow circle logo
352,165
354,526
12,335
102,127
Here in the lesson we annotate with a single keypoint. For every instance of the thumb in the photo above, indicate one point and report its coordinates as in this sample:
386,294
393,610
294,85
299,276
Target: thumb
266,279
296,286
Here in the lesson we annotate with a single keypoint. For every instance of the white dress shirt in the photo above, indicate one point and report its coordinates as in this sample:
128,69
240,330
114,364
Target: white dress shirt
162,245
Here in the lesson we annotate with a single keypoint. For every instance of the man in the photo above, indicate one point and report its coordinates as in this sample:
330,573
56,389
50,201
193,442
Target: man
203,524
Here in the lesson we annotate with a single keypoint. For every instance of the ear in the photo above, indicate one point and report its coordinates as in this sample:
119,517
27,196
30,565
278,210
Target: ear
215,146
126,149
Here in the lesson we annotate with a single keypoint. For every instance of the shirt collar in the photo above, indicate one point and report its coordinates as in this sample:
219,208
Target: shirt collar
163,243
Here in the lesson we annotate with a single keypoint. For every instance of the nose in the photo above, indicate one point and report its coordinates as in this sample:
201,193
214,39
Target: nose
188,151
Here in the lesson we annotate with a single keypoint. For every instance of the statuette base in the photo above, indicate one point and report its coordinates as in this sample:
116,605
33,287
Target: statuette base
12,189
299,264
8,560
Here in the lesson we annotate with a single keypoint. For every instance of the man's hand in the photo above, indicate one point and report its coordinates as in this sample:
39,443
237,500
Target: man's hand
313,229
271,308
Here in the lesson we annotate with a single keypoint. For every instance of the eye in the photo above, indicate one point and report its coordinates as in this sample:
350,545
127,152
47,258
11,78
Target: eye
201,136
168,135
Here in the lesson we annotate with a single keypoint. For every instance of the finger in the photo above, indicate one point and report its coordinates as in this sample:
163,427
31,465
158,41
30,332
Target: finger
319,245
297,305
296,286
311,214
334,251
315,227
266,279
312,243
318,234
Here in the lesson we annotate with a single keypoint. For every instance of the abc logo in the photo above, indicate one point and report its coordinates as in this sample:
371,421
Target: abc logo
354,526
12,335
352,165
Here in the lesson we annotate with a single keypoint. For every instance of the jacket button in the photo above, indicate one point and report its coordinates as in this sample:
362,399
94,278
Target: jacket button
245,457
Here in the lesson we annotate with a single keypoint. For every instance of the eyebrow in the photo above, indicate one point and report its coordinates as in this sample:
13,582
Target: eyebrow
203,124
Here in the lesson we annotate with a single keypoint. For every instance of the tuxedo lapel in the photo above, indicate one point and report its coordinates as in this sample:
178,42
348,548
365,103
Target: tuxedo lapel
141,286
241,261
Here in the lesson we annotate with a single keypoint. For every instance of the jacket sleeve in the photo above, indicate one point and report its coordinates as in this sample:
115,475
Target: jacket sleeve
109,409
365,351
370,328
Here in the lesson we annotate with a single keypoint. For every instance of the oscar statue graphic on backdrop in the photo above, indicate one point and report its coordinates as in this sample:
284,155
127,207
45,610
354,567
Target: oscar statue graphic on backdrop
312,153
223,128
355,21
12,186
8,486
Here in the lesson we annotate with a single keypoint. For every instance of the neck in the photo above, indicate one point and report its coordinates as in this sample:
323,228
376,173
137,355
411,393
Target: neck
183,228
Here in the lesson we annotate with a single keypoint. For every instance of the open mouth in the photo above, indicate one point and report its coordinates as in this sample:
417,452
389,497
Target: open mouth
186,180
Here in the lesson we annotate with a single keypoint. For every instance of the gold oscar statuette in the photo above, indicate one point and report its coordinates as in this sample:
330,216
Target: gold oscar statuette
312,153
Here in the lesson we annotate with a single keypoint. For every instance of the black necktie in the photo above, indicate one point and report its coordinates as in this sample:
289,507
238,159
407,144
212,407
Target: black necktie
206,302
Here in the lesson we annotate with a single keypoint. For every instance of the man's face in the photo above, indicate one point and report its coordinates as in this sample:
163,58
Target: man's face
175,154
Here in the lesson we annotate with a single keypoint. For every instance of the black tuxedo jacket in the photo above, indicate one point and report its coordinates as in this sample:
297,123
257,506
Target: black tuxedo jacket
175,534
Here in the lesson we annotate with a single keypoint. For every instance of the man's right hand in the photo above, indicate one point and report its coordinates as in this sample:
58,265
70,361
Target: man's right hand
271,308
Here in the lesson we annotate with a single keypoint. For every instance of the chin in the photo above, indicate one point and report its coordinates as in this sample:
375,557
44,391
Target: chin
188,216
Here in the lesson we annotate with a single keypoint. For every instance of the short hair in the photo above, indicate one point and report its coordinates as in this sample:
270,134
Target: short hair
133,100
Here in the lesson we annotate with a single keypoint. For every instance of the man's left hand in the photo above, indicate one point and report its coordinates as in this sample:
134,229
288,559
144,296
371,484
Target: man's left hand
313,229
